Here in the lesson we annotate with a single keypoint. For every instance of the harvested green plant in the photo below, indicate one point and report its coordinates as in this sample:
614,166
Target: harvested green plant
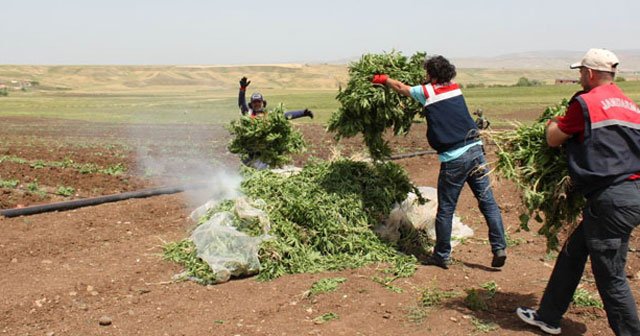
9,184
584,298
541,173
371,110
491,287
476,300
271,139
322,218
65,191
184,253
483,326
34,187
326,285
432,297
326,317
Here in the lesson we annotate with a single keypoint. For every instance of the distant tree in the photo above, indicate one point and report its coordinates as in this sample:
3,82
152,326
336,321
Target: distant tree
4,92
620,79
474,85
524,81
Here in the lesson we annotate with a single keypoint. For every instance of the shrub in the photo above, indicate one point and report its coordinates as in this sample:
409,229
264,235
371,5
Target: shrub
524,81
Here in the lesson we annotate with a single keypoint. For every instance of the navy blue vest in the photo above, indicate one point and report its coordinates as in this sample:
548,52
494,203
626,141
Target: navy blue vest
610,152
449,124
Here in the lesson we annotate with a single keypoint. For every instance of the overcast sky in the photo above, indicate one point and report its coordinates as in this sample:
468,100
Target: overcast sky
287,31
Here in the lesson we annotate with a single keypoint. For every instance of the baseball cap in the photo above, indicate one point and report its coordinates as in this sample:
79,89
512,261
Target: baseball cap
598,59
257,96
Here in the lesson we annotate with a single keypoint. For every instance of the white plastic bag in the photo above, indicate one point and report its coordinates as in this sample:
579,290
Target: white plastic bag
228,251
420,217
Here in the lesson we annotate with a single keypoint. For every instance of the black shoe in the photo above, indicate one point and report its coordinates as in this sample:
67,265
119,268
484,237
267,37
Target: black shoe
308,113
499,258
433,260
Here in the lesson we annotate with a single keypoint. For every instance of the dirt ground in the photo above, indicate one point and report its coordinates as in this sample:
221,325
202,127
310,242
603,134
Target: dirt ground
67,273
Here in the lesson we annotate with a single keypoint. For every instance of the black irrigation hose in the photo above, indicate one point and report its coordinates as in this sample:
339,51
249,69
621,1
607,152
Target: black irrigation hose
68,205
408,155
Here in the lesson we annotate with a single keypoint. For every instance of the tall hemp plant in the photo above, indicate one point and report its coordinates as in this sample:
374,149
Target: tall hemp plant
369,109
541,173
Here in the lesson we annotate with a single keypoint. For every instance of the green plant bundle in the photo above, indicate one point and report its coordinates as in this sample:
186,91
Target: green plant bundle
271,139
322,218
369,109
326,285
584,298
184,252
541,172
433,297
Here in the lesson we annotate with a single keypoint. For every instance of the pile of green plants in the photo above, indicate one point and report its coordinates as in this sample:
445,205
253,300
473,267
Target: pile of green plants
541,173
321,219
369,109
271,139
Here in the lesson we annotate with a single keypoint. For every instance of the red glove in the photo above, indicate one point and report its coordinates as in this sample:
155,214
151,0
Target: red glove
380,79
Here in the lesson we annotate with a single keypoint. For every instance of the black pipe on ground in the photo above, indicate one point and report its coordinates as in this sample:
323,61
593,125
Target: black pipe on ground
68,205
408,155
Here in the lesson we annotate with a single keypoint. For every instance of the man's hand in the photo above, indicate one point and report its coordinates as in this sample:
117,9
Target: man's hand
244,83
380,79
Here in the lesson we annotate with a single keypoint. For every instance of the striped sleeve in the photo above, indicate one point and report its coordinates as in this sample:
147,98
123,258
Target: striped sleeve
418,94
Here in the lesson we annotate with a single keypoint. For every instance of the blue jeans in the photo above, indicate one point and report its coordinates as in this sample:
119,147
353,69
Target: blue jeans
469,168
254,162
603,235
294,114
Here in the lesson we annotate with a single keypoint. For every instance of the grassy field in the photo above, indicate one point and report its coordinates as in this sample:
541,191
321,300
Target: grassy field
209,94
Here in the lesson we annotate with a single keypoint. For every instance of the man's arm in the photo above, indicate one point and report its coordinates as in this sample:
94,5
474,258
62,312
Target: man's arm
399,87
561,128
555,137
395,85
242,101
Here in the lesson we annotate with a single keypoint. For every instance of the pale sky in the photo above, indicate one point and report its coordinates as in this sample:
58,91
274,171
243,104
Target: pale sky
287,31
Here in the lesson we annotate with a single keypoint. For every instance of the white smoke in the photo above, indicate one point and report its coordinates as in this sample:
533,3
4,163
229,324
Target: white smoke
194,155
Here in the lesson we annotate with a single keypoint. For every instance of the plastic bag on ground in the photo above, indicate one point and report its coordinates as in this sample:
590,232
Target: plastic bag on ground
228,251
420,217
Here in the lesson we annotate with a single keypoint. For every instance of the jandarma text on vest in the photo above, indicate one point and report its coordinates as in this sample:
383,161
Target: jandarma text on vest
618,102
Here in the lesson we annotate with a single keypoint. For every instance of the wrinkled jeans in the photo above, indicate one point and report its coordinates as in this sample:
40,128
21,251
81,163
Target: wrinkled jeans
469,168
607,221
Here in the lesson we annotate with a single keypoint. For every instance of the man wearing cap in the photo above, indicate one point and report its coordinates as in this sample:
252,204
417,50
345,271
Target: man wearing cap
257,104
601,134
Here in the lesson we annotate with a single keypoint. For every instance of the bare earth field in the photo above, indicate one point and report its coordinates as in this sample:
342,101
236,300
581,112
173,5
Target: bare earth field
65,272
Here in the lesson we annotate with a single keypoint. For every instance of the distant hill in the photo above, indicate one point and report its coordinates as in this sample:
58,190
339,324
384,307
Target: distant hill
540,60
548,60
545,66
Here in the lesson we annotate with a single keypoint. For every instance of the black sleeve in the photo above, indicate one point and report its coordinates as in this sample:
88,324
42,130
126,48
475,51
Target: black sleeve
242,102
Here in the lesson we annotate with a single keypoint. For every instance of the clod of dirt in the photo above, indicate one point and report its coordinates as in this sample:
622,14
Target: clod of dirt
104,321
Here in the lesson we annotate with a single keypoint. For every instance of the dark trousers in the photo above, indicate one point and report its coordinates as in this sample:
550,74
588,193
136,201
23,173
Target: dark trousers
608,219
469,168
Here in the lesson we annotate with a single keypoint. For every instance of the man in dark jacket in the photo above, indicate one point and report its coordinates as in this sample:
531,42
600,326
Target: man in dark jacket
601,135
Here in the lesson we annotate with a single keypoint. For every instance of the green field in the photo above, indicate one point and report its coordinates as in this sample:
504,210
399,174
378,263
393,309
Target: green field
209,95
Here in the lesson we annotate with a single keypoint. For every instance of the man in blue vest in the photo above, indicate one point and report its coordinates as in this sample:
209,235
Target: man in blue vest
454,135
257,104
601,134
